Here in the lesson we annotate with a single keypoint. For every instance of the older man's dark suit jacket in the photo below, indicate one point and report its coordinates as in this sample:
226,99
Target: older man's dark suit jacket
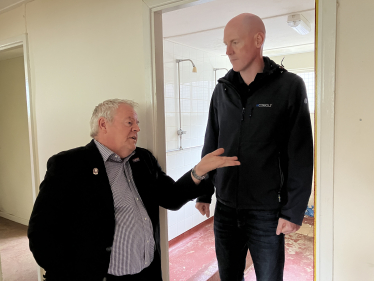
72,224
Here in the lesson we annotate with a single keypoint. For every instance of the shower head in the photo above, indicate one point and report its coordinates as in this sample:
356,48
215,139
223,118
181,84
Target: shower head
215,69
194,69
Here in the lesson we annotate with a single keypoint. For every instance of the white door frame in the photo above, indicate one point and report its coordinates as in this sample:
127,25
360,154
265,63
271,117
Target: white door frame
5,44
324,130
325,138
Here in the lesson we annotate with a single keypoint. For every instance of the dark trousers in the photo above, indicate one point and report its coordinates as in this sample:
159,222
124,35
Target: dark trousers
152,272
236,231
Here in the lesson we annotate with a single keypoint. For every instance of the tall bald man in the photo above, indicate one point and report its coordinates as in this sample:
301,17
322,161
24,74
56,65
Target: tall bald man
259,112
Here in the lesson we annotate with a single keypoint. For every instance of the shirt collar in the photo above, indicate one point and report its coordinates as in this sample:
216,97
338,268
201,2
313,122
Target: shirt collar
258,75
109,155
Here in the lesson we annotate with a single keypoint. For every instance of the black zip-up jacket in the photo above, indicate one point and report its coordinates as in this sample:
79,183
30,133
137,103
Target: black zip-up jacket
272,137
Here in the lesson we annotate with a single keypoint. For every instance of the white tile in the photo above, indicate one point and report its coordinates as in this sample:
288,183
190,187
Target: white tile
187,135
178,51
186,52
200,118
189,223
181,226
194,106
200,106
172,232
186,105
194,142
170,105
194,132
186,119
169,91
186,142
172,218
171,145
188,160
186,91
171,133
168,46
194,119
194,92
168,58
171,119
173,174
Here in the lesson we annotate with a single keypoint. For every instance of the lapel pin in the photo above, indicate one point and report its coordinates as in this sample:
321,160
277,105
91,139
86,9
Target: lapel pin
95,171
135,160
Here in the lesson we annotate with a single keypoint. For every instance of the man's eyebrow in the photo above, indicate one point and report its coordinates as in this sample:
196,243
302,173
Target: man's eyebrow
133,119
235,39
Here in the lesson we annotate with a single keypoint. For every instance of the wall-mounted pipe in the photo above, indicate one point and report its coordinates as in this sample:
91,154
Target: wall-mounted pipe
180,132
215,73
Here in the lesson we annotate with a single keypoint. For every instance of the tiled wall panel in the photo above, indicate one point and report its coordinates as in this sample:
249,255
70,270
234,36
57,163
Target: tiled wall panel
196,90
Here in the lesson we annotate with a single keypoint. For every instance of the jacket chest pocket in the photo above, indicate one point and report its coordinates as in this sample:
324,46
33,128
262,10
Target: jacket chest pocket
265,121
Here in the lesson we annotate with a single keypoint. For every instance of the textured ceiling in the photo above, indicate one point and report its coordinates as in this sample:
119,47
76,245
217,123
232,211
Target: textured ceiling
202,26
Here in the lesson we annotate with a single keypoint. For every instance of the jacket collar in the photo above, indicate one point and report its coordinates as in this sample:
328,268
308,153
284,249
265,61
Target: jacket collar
270,69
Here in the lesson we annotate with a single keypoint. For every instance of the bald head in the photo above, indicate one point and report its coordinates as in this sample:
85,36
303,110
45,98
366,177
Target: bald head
247,23
244,36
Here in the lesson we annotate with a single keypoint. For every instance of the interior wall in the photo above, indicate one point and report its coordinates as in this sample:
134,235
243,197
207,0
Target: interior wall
15,170
81,53
300,62
12,23
354,138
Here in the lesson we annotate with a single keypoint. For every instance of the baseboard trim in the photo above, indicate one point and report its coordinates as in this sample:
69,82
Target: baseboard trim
14,218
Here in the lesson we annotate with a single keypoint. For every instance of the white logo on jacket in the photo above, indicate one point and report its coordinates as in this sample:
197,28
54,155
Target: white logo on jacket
264,105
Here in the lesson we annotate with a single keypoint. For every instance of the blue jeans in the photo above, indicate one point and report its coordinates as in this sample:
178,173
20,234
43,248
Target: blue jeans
236,231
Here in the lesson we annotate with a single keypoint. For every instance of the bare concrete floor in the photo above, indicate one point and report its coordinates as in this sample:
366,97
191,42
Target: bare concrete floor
17,262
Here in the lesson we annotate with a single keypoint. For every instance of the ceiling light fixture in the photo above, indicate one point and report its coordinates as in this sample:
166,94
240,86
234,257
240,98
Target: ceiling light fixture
299,23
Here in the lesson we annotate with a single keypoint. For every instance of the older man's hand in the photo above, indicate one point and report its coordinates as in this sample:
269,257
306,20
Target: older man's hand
213,161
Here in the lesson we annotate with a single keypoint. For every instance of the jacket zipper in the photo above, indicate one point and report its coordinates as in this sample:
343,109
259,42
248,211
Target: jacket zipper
240,133
281,181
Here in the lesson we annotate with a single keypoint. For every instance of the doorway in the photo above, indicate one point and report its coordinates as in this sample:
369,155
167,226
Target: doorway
195,33
17,178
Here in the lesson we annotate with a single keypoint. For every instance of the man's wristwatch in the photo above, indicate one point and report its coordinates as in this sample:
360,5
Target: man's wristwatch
200,178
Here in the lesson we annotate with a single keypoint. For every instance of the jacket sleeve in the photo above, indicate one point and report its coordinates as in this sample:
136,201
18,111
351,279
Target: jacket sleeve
210,144
172,194
46,227
297,156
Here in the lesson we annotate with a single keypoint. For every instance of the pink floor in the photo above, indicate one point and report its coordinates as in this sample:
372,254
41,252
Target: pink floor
192,255
17,262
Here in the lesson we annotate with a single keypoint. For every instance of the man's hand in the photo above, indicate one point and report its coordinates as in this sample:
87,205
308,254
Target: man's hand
213,161
286,227
203,208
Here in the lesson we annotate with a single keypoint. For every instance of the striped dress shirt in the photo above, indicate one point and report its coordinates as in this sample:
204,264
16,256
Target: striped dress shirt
133,244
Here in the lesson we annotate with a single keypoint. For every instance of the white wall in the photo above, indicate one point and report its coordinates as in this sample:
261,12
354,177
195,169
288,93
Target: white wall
12,23
354,139
196,91
15,170
300,62
81,53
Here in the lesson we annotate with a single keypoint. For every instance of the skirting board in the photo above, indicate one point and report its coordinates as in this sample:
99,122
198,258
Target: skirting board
14,218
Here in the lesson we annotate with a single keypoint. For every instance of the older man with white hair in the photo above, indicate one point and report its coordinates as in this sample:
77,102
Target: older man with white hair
97,213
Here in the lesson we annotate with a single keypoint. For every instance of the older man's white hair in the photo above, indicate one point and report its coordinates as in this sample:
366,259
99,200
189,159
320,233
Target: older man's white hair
107,110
